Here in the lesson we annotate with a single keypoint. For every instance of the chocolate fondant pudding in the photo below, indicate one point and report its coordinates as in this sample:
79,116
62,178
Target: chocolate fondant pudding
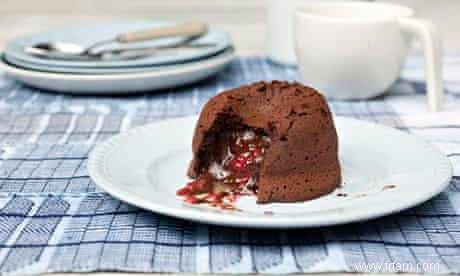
274,140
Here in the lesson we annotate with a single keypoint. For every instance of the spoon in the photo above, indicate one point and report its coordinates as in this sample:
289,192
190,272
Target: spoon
132,53
65,50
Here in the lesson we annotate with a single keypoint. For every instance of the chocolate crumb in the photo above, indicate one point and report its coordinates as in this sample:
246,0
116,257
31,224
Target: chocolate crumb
389,186
342,194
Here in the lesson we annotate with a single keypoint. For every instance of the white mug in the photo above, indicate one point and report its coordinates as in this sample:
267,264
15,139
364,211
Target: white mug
356,50
280,29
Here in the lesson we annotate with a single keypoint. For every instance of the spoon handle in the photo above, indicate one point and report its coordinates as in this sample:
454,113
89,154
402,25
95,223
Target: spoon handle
194,28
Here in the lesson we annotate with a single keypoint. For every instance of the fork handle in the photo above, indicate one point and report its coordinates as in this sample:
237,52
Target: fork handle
194,28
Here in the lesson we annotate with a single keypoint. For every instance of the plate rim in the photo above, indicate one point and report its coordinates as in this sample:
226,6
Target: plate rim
102,70
97,157
127,83
221,58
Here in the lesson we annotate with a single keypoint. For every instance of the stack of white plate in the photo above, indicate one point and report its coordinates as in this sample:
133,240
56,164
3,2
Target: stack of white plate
165,70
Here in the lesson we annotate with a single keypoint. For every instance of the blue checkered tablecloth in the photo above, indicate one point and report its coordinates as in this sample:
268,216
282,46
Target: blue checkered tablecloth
53,217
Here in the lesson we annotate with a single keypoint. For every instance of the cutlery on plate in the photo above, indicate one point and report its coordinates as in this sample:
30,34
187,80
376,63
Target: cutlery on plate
133,53
65,50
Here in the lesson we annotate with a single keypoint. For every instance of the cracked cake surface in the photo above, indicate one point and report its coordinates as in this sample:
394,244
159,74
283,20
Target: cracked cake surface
298,157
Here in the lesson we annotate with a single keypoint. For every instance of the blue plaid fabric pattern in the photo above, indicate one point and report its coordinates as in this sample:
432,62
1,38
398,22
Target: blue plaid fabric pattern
53,217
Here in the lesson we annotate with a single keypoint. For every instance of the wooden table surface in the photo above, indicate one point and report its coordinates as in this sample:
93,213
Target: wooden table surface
243,19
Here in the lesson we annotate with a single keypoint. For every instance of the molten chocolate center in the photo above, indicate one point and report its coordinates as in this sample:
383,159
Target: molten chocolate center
232,175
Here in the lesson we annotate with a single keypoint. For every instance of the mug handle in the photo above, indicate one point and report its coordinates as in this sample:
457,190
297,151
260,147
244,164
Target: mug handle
428,35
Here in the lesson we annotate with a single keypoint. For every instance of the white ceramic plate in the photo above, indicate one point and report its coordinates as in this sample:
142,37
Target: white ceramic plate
145,166
107,84
92,70
86,35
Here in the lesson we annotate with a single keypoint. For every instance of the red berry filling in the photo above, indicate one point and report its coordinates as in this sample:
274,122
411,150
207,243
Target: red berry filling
231,177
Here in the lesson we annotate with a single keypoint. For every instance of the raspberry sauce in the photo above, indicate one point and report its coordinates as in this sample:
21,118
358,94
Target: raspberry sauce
226,180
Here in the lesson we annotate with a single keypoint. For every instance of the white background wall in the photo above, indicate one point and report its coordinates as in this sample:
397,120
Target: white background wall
244,19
